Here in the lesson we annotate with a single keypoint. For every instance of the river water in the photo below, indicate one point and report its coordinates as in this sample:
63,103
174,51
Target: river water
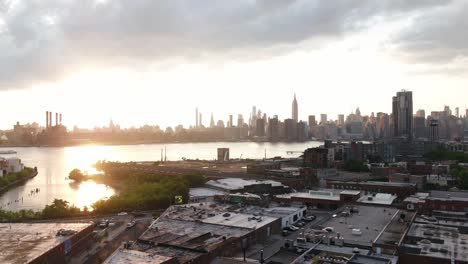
54,165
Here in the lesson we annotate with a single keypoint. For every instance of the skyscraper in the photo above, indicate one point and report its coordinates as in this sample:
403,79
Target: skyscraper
312,121
323,118
403,114
340,120
212,122
273,129
421,113
419,124
253,117
240,121
295,114
196,117
260,129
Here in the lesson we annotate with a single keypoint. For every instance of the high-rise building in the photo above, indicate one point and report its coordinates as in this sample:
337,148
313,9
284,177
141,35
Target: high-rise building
312,124
200,123
302,134
240,121
273,129
457,112
196,117
312,121
340,120
447,110
403,114
230,121
295,114
421,113
212,122
419,126
260,129
290,130
253,116
323,118
383,125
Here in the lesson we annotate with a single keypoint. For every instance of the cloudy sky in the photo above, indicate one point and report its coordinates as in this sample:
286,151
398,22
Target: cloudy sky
147,61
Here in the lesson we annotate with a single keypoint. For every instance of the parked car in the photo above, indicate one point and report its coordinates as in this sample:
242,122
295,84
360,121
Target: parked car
122,214
309,218
131,224
104,223
285,233
329,229
299,224
293,228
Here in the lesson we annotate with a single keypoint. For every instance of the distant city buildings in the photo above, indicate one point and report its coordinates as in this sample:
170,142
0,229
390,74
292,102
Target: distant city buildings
402,123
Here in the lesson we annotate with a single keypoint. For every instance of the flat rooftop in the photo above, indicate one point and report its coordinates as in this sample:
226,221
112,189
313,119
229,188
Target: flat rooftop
203,192
277,211
22,243
370,220
311,195
393,233
436,241
362,259
125,256
195,211
377,183
238,183
322,194
240,220
379,198
459,196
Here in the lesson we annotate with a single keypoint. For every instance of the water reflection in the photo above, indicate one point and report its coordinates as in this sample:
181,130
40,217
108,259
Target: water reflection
54,165
89,192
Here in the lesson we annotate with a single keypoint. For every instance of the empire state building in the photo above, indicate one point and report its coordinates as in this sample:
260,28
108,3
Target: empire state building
295,113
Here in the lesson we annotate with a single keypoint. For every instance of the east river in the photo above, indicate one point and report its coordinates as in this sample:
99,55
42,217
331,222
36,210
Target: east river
54,165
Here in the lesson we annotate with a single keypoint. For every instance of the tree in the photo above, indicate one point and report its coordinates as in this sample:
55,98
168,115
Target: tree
76,175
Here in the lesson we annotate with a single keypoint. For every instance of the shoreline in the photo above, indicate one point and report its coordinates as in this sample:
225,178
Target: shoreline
18,182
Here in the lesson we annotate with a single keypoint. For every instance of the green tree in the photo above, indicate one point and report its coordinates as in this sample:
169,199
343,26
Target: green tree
76,175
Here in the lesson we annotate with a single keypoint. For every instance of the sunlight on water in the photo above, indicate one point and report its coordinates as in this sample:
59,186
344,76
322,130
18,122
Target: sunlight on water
89,192
55,164
84,158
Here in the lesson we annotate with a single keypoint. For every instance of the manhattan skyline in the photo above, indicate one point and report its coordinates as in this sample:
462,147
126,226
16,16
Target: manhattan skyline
334,56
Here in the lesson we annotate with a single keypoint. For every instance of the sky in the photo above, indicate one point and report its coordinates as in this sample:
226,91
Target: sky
153,62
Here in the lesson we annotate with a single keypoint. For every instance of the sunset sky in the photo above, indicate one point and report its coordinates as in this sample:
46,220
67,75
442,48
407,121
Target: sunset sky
154,62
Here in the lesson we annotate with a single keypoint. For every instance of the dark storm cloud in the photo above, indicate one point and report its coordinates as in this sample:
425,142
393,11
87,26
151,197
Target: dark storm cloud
43,40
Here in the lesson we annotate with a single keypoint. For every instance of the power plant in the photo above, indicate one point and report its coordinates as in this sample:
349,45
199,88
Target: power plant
53,135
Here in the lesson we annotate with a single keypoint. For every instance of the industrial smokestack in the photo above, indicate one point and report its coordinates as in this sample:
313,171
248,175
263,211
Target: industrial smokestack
56,119
60,119
47,119
50,119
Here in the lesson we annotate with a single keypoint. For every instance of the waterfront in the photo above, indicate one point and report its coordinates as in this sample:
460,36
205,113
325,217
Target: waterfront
54,164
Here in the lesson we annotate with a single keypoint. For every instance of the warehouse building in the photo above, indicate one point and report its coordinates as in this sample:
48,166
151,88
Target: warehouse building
42,242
